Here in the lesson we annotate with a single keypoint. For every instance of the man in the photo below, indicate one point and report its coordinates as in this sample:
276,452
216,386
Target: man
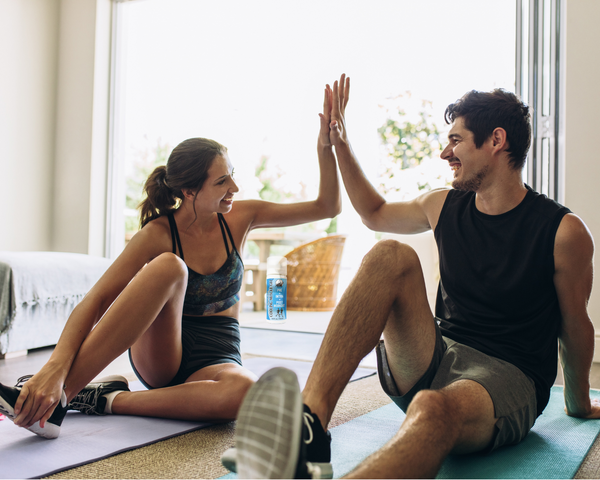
515,275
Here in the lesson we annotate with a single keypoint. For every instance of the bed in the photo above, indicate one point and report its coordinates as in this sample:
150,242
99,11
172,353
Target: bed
38,291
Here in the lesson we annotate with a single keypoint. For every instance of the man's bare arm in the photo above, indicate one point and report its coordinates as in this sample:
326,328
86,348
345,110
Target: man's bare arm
573,258
415,216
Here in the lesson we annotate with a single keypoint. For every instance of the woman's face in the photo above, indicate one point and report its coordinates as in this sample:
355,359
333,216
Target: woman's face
216,195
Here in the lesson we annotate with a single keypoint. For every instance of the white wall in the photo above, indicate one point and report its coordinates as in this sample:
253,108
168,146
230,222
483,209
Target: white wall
582,124
28,79
82,126
54,56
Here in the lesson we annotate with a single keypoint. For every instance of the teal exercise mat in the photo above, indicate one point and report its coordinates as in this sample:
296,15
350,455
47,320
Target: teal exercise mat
555,448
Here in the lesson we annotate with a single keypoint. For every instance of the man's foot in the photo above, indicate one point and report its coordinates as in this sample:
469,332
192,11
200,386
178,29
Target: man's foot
92,399
318,447
8,399
276,436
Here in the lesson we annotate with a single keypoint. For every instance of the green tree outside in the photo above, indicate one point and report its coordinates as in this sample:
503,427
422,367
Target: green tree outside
408,142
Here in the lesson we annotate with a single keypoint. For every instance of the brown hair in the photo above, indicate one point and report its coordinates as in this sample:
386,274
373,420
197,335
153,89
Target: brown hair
187,167
482,112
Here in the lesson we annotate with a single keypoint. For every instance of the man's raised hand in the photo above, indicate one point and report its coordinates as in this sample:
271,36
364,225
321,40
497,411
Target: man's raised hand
340,95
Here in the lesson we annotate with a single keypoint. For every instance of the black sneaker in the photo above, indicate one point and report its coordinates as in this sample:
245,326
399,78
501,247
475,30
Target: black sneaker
91,399
276,436
8,399
318,446
318,443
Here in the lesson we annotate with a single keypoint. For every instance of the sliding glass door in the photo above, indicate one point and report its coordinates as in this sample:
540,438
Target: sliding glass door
251,76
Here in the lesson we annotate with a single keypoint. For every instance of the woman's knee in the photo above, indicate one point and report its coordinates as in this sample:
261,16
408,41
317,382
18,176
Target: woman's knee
169,266
391,256
235,389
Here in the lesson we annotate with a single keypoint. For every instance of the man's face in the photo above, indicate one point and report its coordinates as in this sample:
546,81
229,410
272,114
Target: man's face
468,163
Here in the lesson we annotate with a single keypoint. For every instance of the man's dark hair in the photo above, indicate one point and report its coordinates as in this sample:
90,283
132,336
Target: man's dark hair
482,112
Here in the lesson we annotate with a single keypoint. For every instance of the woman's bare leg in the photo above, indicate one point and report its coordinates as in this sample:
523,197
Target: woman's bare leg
148,312
214,393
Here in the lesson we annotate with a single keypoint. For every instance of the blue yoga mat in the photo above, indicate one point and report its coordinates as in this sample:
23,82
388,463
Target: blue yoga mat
555,448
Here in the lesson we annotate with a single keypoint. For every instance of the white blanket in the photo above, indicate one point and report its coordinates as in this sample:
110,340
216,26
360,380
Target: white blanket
29,278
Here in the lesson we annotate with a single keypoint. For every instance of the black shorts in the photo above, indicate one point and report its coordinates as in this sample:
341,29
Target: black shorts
205,341
512,392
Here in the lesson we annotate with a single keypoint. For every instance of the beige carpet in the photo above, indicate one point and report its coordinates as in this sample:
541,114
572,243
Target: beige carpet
197,454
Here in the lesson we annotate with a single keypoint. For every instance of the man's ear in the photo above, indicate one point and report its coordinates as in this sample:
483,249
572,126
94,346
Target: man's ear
499,141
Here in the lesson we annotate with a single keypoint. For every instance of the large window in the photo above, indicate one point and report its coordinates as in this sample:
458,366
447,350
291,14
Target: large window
251,76
538,83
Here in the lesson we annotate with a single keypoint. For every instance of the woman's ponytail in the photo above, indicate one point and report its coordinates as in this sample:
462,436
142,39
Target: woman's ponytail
160,197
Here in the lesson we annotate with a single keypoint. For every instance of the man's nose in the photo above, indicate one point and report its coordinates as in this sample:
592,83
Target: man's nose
447,153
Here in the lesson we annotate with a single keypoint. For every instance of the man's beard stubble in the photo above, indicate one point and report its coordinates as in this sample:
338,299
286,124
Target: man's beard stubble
471,184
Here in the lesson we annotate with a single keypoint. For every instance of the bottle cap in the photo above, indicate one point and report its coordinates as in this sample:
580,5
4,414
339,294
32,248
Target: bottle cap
276,266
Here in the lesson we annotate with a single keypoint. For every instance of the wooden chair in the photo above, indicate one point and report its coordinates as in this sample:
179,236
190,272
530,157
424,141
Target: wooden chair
312,274
251,290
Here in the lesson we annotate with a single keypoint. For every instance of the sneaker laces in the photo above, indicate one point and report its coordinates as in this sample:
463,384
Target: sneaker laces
308,421
86,401
21,381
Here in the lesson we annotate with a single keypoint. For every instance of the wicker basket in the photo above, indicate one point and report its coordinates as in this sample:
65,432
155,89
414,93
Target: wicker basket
312,274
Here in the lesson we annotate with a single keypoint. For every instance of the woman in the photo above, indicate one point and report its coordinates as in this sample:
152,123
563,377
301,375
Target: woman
185,258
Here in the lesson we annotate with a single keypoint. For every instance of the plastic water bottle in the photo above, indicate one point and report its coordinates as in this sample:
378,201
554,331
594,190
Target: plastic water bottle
276,289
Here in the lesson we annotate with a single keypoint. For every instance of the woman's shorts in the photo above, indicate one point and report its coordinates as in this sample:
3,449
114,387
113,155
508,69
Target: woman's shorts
512,392
205,341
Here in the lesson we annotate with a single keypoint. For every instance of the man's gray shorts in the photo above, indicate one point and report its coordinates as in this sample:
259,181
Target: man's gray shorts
512,392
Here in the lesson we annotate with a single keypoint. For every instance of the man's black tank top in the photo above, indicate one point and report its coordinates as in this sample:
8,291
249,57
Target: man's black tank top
496,291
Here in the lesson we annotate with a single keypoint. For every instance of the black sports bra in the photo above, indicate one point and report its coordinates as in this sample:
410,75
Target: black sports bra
209,294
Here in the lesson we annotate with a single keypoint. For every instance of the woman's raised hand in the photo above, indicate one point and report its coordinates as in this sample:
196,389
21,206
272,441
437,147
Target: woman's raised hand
325,117
340,95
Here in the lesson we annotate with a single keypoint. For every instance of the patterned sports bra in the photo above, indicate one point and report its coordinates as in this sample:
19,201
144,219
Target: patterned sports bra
208,294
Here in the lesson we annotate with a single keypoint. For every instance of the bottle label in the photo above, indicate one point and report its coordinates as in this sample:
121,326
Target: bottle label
276,299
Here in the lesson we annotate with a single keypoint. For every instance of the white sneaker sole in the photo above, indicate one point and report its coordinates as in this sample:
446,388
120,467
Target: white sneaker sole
229,461
49,431
269,427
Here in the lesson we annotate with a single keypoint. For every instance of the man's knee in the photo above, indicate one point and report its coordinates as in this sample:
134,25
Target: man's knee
468,423
391,256
431,405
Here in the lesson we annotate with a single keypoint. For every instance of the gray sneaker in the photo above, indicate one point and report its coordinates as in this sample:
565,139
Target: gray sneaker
318,453
91,399
269,433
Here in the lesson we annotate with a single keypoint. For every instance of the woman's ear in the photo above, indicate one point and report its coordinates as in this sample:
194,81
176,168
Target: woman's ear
188,193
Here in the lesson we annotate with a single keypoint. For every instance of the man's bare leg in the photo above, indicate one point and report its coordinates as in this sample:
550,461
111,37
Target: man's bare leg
456,419
387,295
